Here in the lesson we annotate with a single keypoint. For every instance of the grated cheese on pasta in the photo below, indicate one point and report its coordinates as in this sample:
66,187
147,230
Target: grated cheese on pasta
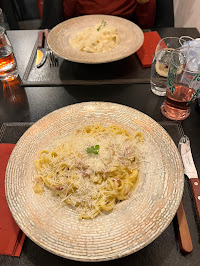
92,169
98,39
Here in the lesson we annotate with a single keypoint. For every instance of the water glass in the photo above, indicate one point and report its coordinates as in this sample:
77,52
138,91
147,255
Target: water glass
2,24
8,65
183,83
160,64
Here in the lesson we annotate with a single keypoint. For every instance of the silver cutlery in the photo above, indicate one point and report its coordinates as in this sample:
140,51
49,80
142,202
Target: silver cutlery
41,51
53,60
190,171
185,240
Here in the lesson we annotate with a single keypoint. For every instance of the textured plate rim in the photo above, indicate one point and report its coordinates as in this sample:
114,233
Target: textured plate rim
84,60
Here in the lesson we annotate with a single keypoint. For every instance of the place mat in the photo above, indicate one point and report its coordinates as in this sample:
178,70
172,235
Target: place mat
125,71
147,50
11,132
12,238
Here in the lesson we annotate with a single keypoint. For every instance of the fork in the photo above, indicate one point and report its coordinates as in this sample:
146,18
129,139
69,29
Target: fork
53,60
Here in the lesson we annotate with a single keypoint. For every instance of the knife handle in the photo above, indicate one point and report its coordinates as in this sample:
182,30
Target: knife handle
195,185
46,33
40,39
185,240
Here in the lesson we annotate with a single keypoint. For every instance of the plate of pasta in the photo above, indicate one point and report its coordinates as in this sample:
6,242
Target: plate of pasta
94,181
94,39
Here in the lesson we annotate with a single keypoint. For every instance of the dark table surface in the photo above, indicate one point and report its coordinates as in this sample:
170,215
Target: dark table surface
126,71
29,104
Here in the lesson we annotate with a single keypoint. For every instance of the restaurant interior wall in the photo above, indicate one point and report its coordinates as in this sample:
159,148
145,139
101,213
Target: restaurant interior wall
186,13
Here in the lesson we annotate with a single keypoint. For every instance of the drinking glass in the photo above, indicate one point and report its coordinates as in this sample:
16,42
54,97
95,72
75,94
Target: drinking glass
2,24
8,64
160,64
183,83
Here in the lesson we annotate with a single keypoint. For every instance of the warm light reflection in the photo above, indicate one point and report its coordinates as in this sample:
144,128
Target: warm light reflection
13,92
7,63
39,57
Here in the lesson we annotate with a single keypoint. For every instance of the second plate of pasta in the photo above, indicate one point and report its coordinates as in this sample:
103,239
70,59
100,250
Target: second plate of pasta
95,39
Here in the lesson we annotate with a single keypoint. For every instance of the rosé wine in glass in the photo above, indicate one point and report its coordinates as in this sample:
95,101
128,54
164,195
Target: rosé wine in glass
183,83
176,106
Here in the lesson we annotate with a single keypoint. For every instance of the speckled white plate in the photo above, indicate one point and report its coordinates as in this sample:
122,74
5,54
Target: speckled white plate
133,224
131,37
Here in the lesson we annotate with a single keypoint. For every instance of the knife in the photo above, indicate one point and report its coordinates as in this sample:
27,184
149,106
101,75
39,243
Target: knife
41,51
190,170
185,240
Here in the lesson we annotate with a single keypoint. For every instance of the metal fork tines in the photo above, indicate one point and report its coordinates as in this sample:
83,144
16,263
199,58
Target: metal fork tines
53,60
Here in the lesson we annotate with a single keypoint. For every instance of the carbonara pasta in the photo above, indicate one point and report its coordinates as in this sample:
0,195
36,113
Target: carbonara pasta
99,39
92,169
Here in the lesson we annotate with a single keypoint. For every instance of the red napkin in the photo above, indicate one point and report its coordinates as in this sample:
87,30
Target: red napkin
146,52
11,237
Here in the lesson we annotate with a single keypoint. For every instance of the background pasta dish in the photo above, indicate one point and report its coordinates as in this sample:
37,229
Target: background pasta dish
98,39
92,169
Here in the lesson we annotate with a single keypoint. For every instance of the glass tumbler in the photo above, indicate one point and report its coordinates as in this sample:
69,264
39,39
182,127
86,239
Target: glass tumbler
2,24
8,64
160,64
183,83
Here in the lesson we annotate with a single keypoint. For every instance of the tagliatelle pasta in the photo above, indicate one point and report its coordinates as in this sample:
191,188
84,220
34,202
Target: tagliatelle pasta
99,39
92,169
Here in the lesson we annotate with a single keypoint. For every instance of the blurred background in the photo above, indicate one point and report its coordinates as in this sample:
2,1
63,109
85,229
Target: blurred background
21,14
27,14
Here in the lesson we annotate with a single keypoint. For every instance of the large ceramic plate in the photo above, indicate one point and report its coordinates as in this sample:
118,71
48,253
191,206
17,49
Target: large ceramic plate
133,224
131,37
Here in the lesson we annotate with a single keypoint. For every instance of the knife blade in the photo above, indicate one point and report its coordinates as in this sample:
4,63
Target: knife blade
41,51
190,170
